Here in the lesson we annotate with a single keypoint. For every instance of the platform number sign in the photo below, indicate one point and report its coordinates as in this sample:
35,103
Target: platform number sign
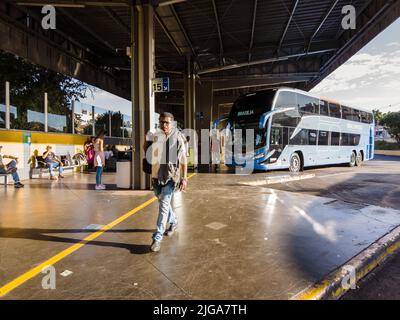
161,85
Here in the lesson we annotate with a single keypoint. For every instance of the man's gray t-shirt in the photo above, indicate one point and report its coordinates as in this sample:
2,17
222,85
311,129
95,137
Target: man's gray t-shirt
166,165
51,158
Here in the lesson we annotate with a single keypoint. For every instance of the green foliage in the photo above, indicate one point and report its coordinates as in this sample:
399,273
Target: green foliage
391,121
384,145
378,115
29,82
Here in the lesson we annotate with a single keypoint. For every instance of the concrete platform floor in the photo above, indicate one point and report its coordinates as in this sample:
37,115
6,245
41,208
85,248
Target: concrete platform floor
235,240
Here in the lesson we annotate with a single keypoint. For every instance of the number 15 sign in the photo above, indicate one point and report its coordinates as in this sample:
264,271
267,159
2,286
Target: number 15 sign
161,85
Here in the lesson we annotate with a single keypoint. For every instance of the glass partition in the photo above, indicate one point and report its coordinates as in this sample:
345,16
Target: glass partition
26,116
102,120
59,117
83,118
2,116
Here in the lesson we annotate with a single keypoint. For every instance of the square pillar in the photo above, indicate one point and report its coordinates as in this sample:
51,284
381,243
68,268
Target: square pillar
189,95
142,74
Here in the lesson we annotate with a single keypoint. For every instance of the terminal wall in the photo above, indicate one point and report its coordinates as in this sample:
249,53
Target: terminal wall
18,144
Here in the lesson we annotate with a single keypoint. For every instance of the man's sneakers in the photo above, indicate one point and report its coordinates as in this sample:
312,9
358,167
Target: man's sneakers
18,185
155,246
53,178
61,176
171,230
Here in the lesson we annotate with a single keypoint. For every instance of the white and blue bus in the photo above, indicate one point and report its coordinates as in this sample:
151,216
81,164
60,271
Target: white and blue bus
294,129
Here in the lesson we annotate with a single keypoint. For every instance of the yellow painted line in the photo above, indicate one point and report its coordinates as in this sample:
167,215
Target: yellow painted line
315,292
61,255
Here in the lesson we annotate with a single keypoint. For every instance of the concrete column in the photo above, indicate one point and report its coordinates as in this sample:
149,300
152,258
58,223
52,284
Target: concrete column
7,105
46,123
73,116
110,123
189,94
202,120
142,73
93,123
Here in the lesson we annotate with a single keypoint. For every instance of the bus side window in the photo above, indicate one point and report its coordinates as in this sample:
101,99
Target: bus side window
364,117
347,113
344,139
286,99
334,110
323,108
335,138
312,137
323,138
301,138
307,105
356,115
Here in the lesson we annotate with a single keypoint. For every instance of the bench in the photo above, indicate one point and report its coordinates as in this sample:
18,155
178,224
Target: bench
38,165
5,175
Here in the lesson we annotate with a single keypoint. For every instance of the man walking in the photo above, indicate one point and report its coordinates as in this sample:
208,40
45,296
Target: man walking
10,168
168,173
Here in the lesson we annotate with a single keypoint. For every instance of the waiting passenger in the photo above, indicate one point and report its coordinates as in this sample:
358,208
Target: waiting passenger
99,159
10,168
53,162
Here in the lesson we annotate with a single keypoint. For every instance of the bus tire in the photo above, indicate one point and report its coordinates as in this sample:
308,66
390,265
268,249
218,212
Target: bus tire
359,159
295,163
353,158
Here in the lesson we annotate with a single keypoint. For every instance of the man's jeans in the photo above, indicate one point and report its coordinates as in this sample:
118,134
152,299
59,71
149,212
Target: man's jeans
165,213
53,165
12,164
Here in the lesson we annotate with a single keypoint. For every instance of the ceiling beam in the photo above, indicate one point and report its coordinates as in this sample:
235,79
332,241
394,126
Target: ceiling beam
183,30
253,27
221,45
117,20
287,25
322,23
165,29
74,4
270,60
88,30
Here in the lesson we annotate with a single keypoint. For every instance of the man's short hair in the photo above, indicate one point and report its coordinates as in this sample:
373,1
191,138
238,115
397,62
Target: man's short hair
167,115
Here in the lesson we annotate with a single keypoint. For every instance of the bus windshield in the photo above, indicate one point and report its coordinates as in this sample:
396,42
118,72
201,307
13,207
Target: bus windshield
246,114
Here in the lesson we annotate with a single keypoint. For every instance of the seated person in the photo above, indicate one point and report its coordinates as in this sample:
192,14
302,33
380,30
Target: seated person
52,162
11,168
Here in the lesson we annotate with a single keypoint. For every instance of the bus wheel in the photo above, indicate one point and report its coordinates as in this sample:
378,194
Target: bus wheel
295,163
359,159
353,159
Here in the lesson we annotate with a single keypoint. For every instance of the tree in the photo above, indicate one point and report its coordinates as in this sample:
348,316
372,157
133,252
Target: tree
378,115
391,121
28,83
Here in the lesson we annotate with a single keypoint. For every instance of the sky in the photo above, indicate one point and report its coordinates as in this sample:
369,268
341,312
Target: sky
370,79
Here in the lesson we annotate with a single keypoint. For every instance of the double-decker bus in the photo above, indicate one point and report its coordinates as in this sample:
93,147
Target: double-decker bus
294,129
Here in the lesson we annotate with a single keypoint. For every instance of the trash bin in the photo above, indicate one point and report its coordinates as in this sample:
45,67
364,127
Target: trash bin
124,169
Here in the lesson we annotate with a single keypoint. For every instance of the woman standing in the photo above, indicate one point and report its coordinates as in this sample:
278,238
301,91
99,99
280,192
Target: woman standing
89,152
99,159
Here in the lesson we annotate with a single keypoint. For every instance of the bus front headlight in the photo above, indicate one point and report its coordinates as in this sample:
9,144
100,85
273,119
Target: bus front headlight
259,156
